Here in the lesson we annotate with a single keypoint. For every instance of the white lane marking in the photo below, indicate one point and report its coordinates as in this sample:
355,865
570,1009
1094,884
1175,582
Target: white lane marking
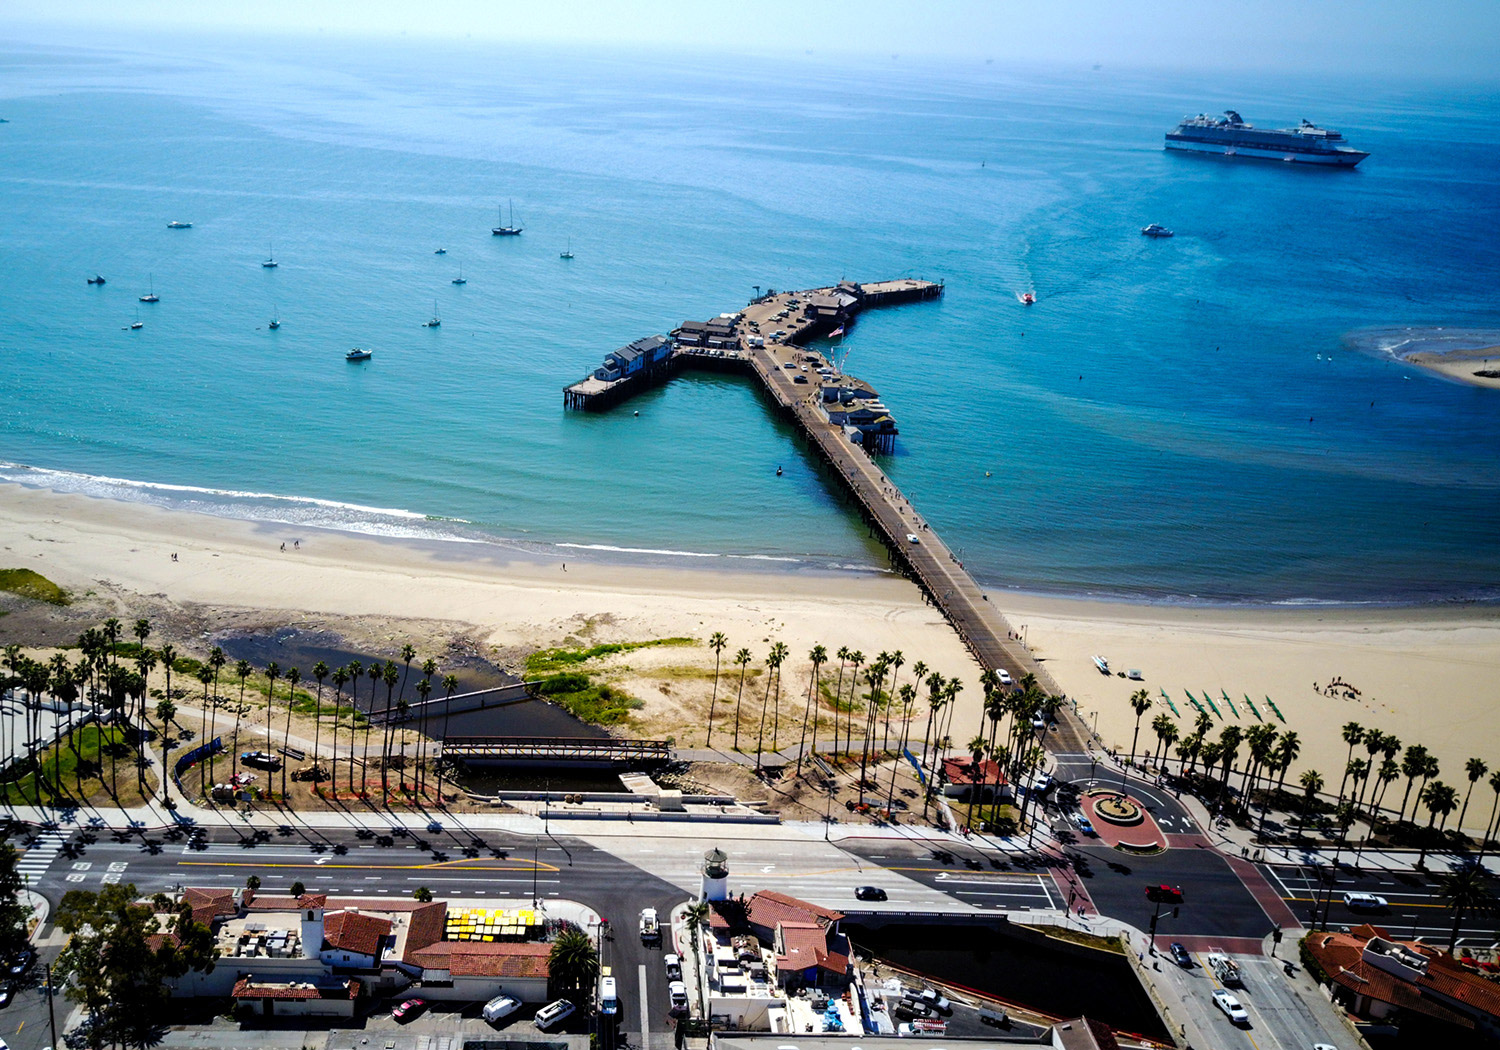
645,1015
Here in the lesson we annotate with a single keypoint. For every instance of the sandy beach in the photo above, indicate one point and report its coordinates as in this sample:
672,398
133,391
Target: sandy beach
1465,366
1425,674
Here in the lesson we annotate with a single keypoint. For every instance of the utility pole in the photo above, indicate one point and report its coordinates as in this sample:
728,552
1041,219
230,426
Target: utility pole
51,1015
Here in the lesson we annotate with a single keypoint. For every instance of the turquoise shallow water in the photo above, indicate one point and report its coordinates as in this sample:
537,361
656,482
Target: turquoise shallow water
1207,417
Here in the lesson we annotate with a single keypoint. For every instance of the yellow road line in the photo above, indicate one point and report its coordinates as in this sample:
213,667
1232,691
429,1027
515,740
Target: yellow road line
450,864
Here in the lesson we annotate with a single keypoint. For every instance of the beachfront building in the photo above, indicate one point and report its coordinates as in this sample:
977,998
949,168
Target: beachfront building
774,963
634,358
1434,998
287,954
963,781
717,333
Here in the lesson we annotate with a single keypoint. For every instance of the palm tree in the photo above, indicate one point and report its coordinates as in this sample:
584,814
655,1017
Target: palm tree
1229,749
293,676
205,677
1439,798
743,659
1412,764
1466,892
142,630
408,654
145,661
951,688
1390,772
1474,768
374,673
391,677
717,641
111,636
340,679
1352,733
935,683
429,668
781,649
320,672
273,672
818,656
1162,725
975,746
1489,827
838,695
773,667
450,683
896,661
424,690
573,965
907,693
1286,753
1140,703
856,661
1312,782
694,919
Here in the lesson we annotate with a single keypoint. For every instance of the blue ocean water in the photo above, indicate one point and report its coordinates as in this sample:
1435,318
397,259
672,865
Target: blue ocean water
1202,418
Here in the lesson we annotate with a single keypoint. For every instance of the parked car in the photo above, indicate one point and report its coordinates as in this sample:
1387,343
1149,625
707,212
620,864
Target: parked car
260,760
1365,902
937,1000
1084,824
609,997
677,995
5,994
1231,1006
1181,957
553,1014
21,963
500,1007
869,893
409,1009
674,966
994,1017
911,1010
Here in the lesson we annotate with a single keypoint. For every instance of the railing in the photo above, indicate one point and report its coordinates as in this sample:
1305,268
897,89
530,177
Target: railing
556,749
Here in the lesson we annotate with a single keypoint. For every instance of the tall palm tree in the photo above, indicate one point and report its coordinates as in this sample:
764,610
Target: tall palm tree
1140,703
429,669
773,667
1467,893
1286,753
1352,733
1229,749
935,684
205,677
1390,772
424,690
1312,782
1474,768
408,654
695,919
780,648
1439,798
216,662
1412,764
320,672
391,677
1374,744
293,676
742,658
856,661
818,656
340,679
906,694
838,695
951,688
142,630
975,747
273,672
1489,826
1161,725
896,660
111,636
450,683
717,641
145,662
375,672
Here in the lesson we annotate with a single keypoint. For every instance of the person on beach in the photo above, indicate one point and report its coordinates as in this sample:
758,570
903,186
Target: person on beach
283,548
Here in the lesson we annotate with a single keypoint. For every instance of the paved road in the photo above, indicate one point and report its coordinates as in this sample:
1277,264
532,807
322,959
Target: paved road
1414,908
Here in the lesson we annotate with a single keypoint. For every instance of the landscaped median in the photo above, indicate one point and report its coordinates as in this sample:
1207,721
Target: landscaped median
1123,823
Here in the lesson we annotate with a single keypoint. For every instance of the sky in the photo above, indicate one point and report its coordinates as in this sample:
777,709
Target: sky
1421,38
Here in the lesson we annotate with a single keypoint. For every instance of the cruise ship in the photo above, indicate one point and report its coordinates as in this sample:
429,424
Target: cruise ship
1230,136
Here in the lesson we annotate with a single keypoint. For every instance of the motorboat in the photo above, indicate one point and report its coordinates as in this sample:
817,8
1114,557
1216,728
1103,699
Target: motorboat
357,355
175,225
96,279
1027,298
440,251
1156,229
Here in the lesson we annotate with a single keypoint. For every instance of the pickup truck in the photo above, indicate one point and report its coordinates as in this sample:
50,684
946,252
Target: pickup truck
650,928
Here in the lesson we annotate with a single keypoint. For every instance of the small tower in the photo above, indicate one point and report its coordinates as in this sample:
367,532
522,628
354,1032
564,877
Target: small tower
311,907
715,876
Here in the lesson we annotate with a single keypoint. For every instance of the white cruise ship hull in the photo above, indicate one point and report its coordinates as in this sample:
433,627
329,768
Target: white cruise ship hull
1326,158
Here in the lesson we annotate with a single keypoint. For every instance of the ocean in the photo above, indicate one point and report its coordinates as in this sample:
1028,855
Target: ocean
1210,418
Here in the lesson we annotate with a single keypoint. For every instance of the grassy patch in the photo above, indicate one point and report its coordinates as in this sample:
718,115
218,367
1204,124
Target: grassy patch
105,758
544,662
583,698
1088,940
32,585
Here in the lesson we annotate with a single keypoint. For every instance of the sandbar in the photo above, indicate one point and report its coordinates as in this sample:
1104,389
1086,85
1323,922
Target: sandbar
1479,367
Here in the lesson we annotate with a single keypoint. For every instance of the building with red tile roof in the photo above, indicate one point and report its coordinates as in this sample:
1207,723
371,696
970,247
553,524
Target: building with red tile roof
324,997
1382,979
352,938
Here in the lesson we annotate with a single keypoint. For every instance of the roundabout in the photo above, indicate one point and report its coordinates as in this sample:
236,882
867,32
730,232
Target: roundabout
1123,823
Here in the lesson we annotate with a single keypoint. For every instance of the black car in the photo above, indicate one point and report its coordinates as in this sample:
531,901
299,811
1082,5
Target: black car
21,963
869,893
1181,957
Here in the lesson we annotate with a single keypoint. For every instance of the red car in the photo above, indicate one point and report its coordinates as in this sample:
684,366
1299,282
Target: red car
409,1009
1164,894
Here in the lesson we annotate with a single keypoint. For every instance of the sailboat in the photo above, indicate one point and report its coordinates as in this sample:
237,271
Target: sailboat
275,321
270,263
460,279
511,230
137,324
436,320
569,253
151,296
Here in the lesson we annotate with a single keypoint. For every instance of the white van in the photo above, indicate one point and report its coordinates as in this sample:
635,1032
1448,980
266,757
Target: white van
609,1000
500,1007
554,1013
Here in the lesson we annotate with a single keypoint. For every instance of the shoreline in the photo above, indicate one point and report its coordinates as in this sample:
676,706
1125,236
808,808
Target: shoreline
1459,365
1425,673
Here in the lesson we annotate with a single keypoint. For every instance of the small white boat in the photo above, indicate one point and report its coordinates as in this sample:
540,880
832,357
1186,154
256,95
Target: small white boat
1156,230
357,355
1101,663
175,225
151,296
270,263
460,279
569,253
436,320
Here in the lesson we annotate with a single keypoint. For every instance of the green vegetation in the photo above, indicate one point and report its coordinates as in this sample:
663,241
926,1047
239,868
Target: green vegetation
33,585
1088,940
102,756
556,676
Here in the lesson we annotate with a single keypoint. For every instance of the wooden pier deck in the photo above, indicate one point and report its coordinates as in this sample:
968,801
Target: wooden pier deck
767,342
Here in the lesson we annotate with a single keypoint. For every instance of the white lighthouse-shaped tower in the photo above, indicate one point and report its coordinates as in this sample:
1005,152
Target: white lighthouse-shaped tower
715,876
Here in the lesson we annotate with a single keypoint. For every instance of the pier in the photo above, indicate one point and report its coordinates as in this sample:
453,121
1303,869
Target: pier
846,421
